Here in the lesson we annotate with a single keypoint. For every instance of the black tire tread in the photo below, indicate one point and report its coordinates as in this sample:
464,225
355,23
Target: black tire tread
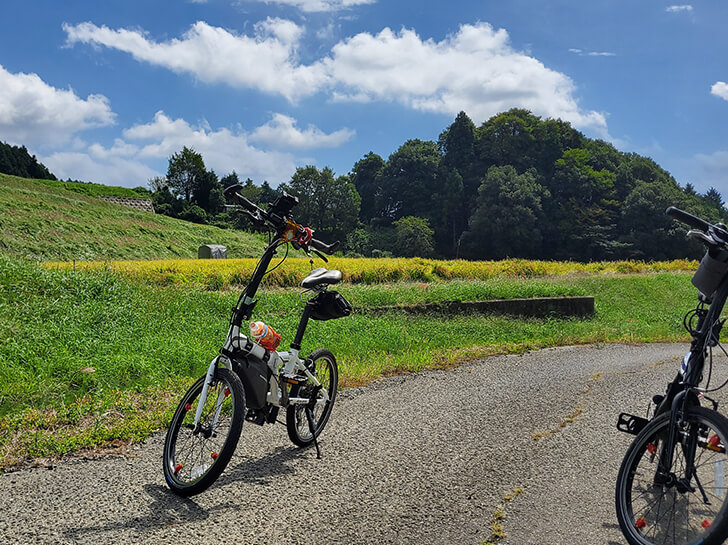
231,442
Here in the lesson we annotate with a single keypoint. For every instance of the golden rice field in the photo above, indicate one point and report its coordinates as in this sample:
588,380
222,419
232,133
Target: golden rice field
220,274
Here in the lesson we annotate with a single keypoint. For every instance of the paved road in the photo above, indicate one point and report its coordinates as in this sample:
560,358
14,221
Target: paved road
421,459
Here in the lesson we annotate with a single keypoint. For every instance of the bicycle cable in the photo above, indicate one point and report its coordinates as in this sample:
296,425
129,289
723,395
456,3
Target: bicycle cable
706,390
691,315
280,262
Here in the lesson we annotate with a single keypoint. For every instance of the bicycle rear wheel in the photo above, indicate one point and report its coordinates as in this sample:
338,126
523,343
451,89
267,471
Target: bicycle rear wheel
674,509
323,366
195,458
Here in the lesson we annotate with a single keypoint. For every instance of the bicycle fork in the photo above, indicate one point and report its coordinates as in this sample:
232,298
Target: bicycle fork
664,476
209,378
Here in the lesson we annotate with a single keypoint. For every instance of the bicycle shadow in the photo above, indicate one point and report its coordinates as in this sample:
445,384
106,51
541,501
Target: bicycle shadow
262,471
612,526
164,510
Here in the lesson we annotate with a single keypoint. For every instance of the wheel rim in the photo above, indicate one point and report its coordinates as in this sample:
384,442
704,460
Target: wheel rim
192,452
674,511
323,373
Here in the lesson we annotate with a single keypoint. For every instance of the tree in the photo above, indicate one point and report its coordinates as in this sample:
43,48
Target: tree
157,184
359,242
457,144
714,199
267,193
647,230
451,212
367,178
251,191
16,160
327,204
509,218
230,179
507,139
410,179
186,169
208,193
414,237
586,207
193,213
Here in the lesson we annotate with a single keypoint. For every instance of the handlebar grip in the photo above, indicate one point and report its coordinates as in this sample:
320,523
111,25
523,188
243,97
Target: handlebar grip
687,218
323,247
232,194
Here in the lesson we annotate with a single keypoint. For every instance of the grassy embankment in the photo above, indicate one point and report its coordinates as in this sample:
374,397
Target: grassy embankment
42,220
93,356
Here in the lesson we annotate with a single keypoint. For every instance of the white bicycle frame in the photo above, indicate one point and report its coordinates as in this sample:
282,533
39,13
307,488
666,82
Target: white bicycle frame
280,363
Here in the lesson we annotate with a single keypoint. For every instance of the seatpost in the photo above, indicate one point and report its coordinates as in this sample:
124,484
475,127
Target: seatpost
296,344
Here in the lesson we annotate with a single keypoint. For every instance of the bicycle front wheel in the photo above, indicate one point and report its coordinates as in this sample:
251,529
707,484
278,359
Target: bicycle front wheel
322,364
195,456
681,506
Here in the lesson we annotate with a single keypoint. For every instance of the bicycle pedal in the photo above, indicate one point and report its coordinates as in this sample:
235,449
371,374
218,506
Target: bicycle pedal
255,417
294,380
629,423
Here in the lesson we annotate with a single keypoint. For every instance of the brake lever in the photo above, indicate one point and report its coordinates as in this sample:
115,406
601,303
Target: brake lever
322,256
256,219
697,233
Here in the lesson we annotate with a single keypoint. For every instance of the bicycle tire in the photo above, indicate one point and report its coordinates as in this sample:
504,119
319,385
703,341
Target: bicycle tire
651,513
193,461
323,366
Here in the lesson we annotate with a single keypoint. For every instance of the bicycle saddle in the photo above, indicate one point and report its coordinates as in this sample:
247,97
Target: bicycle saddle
321,277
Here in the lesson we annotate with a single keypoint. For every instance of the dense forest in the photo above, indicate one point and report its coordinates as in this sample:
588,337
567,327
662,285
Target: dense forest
17,161
516,186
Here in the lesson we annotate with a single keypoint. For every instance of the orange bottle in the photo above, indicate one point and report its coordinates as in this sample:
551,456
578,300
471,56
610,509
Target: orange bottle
264,335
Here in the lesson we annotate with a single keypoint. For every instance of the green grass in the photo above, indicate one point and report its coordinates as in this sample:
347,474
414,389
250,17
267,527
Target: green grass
44,223
91,189
89,357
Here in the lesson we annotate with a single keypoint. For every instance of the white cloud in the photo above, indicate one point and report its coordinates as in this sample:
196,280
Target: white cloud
678,9
91,167
35,113
281,132
266,61
223,150
475,70
601,54
720,89
583,53
312,6
132,160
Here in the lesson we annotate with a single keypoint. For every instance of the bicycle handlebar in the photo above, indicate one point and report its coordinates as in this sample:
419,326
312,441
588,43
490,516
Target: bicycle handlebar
717,234
278,221
687,218
231,193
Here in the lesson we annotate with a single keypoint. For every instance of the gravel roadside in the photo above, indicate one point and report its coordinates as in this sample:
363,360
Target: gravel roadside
425,458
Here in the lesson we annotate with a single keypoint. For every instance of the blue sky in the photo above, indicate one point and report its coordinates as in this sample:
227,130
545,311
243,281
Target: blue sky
107,91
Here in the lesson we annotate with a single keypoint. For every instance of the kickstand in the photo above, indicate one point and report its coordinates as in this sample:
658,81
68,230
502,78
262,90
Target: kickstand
309,416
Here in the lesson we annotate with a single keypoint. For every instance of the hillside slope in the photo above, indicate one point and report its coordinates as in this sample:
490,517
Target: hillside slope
43,223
